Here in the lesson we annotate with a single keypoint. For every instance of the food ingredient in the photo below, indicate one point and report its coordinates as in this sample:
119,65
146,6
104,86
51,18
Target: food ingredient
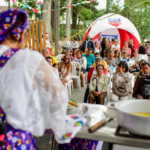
143,114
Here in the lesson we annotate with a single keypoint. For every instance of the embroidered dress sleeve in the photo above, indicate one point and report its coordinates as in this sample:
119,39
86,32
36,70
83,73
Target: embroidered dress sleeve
32,96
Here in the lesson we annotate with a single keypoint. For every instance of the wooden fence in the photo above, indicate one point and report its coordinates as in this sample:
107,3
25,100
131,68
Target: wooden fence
36,30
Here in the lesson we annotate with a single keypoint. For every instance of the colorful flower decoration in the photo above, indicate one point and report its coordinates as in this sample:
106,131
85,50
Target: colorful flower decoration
8,27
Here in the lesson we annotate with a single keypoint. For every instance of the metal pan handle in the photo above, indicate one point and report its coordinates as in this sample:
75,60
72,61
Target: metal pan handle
111,105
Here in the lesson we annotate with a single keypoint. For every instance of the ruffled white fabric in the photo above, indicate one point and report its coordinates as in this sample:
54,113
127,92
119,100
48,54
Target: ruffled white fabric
31,95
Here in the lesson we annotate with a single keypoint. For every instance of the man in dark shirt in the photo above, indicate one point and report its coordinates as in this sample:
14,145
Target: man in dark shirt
137,90
88,43
131,45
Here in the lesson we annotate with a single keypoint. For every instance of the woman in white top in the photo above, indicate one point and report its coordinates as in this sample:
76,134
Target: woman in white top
83,63
31,95
141,55
96,48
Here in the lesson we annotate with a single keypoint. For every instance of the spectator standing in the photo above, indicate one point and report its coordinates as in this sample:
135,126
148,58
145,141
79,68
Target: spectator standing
103,46
50,62
64,44
132,47
125,58
126,47
117,55
141,55
82,61
96,48
98,40
121,82
88,43
74,44
137,90
90,59
116,46
98,86
47,41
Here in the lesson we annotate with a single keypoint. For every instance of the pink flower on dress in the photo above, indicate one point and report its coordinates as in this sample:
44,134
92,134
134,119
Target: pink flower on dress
84,145
8,53
94,147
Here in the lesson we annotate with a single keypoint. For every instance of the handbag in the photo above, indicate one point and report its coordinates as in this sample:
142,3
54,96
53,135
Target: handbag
145,86
121,90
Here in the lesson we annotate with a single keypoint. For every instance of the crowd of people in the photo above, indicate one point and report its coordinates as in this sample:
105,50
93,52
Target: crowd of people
104,62
33,86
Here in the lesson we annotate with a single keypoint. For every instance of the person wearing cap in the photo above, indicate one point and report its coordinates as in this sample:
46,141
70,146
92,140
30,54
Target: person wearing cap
125,57
64,44
74,44
30,91
97,55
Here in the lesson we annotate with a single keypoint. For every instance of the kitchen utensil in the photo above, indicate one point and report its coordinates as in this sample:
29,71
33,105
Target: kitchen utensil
135,124
98,125
109,115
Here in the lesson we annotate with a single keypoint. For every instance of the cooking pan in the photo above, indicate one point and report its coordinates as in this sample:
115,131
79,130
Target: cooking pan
135,124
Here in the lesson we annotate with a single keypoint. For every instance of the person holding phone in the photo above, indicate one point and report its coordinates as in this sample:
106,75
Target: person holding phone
121,81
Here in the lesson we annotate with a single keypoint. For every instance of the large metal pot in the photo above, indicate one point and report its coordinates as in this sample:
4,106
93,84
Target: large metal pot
135,124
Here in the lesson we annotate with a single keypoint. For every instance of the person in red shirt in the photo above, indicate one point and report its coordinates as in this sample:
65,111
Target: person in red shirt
132,47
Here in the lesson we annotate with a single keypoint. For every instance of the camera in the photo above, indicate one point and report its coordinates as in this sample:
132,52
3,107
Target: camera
137,69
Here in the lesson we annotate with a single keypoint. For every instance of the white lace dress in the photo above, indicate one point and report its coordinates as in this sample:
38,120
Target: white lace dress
31,95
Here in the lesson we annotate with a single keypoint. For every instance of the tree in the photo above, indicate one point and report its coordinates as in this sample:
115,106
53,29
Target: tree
68,19
47,16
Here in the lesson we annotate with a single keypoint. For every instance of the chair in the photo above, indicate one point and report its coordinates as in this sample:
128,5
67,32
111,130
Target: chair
58,57
85,75
74,73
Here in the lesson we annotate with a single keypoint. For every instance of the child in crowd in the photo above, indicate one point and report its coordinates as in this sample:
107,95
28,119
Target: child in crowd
125,57
55,66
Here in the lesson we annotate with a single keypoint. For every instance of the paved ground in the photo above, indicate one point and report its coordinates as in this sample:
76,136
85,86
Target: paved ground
78,95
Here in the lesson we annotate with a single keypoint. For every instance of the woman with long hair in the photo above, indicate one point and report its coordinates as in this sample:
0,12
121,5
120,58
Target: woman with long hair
96,48
103,46
141,55
126,47
74,53
28,96
65,70
117,55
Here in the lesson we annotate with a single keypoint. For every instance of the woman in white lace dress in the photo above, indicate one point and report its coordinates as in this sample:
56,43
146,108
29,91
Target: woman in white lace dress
31,96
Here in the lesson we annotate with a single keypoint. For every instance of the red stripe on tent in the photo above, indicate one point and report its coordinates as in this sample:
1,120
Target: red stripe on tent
86,34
